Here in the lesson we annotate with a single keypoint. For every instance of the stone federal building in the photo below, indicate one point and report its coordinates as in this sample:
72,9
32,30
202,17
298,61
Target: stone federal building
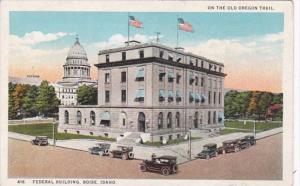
151,90
76,74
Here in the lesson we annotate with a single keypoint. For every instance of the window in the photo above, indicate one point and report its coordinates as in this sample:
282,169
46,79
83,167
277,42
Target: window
178,76
170,77
177,119
170,137
202,82
66,117
161,54
140,76
123,56
123,95
160,120
107,96
196,118
196,81
220,69
79,117
92,118
170,96
215,95
209,97
161,76
140,94
106,78
214,117
191,62
123,77
161,95
202,64
141,54
170,57
197,62
169,120
220,94
208,117
107,58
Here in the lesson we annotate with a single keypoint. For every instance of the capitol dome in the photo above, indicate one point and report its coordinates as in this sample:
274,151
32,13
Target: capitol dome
77,51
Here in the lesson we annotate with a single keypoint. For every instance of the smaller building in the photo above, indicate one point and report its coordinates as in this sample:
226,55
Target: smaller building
76,73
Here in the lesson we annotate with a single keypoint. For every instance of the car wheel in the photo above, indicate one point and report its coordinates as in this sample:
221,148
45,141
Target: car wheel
40,143
207,156
175,168
143,168
130,155
124,157
106,152
165,171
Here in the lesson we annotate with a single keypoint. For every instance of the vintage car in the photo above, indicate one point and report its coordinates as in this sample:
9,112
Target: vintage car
122,152
243,143
209,150
231,146
101,149
251,139
40,140
165,165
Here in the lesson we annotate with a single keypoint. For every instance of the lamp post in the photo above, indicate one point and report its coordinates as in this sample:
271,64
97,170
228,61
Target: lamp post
254,129
53,131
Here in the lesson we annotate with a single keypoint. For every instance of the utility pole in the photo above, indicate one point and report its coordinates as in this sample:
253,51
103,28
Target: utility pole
190,144
53,132
254,130
157,36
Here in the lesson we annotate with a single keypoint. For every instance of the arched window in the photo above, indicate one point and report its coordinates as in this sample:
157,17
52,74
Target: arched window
169,120
215,117
160,120
79,117
177,119
196,118
123,119
141,122
66,117
92,118
208,118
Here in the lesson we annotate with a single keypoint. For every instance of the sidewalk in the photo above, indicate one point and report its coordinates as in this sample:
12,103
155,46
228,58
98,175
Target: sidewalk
145,152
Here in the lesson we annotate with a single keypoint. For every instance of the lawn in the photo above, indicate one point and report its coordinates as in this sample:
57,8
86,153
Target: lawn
238,126
47,130
170,142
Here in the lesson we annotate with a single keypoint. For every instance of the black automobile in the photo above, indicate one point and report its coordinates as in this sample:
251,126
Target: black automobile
40,140
101,149
209,150
231,146
251,139
122,152
165,165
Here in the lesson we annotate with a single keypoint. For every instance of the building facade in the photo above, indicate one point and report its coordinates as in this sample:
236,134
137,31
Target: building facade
151,89
76,74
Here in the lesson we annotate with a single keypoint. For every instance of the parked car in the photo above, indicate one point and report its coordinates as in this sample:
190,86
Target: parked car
101,149
209,150
251,139
243,143
122,152
165,165
231,146
40,140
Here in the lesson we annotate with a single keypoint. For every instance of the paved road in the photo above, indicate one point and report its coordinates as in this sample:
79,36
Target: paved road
262,161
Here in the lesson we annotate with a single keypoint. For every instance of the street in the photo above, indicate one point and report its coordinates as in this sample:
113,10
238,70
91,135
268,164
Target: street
260,162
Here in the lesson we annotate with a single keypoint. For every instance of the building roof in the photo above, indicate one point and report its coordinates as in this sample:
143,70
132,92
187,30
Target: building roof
145,45
77,51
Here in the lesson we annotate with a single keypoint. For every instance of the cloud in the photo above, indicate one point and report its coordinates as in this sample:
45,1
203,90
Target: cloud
118,40
36,37
251,62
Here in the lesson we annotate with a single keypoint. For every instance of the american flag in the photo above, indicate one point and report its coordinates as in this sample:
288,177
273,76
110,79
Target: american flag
185,26
134,22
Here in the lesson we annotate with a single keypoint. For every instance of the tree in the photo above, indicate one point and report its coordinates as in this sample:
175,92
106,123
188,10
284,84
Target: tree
17,99
252,103
47,102
87,95
29,104
264,101
12,113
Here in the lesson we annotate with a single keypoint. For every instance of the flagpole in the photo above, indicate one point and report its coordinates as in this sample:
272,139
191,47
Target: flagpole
177,32
128,27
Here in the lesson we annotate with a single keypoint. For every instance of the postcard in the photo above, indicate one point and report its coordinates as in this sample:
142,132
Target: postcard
147,93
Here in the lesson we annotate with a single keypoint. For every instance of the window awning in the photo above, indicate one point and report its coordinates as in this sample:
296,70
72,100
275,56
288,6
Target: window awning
192,95
178,94
162,73
105,116
140,93
161,93
171,75
203,97
140,73
191,77
170,93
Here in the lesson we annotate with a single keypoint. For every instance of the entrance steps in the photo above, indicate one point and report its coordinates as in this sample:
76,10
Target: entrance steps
130,138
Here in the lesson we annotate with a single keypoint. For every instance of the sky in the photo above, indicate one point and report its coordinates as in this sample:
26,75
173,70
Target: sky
249,44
